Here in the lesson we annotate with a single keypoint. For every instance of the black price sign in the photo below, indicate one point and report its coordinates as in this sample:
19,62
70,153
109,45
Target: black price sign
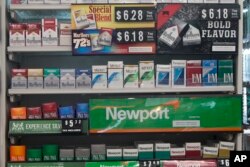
153,163
135,14
220,12
72,125
223,163
134,35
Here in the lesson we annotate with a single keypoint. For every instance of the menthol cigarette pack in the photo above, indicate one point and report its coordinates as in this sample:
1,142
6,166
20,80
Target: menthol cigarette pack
52,1
33,35
209,72
194,73
162,151
130,153
99,77
163,75
147,74
115,74
114,153
35,78
178,73
211,1
131,76
225,72
49,32
35,1
51,78
83,78
68,78
17,34
145,151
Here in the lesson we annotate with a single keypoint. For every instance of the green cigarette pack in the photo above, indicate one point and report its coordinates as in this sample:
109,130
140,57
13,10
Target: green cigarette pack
145,151
50,152
34,155
130,153
51,78
162,151
114,153
225,72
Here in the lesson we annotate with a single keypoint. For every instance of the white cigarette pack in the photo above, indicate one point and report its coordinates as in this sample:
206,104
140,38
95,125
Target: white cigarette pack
65,34
49,32
17,34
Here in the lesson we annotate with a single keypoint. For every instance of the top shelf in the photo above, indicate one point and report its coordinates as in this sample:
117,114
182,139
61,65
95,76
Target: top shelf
40,6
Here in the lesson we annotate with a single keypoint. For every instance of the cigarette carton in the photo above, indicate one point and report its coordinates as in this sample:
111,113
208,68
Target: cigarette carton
163,76
99,77
68,78
19,1
147,74
131,76
35,1
211,1
19,78
209,72
65,34
210,152
178,153
194,73
51,78
17,34
162,151
35,78
33,35
114,153
225,148
68,1
193,150
130,153
115,74
49,32
83,78
178,73
52,1
225,72
82,154
145,151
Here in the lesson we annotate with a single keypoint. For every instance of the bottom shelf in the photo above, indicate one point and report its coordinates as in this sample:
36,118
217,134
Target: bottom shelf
167,163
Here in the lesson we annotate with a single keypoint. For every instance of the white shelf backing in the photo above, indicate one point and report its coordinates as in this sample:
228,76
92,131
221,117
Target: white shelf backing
34,49
40,7
123,91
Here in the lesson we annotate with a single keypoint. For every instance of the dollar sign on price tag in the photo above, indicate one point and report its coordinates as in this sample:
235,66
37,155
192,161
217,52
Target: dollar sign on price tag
150,163
118,15
119,36
204,13
72,125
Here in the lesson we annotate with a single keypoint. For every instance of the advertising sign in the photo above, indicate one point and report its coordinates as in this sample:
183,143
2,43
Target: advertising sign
182,114
197,28
113,29
208,163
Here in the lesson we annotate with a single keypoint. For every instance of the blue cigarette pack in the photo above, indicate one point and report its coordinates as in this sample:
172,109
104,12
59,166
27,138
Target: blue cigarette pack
209,72
82,110
178,73
66,112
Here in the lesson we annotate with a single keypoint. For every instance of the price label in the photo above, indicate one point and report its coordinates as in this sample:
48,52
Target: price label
220,13
135,14
72,125
223,163
153,163
134,35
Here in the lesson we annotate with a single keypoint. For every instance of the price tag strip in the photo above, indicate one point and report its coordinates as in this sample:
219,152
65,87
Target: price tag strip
223,163
72,125
113,29
150,163
197,28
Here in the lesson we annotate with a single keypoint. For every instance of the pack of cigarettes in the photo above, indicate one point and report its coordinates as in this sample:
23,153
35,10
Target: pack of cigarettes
179,1
19,1
130,153
35,78
115,74
225,72
68,78
211,1
98,152
51,78
147,74
227,1
195,1
193,150
95,46
35,1
52,1
192,37
178,153
68,1
82,154
80,19
83,78
194,73
50,110
209,72
99,77
34,113
65,34
105,37
33,35
178,73
66,112
49,32
19,78
210,152
163,75
131,76
114,153
17,34
91,21
164,1
225,148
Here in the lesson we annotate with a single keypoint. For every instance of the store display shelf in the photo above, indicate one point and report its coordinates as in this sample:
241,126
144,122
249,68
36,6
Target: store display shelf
22,127
124,91
40,7
38,49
